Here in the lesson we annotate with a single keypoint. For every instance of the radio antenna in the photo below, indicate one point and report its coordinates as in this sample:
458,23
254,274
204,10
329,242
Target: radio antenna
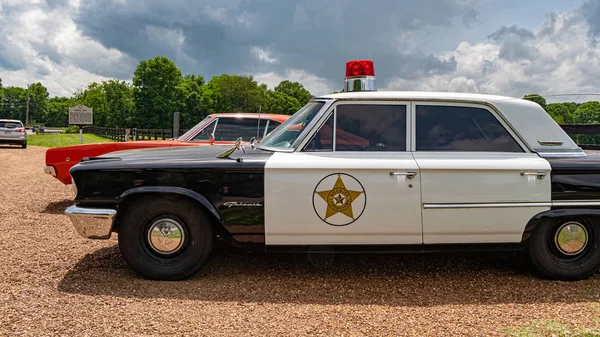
258,126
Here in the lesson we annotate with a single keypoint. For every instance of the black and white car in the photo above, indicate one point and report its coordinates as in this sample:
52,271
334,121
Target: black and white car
362,169
12,132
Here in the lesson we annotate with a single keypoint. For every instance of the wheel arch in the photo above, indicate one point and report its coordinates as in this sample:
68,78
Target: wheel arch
546,216
128,198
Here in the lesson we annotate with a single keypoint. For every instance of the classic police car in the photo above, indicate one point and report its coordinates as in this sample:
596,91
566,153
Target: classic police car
395,171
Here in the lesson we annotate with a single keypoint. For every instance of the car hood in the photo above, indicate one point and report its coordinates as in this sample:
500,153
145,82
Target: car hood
174,157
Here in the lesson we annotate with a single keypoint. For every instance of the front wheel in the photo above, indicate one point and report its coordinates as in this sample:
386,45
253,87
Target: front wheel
566,248
165,238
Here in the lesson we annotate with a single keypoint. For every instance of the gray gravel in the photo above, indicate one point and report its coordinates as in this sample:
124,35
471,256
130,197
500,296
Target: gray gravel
53,282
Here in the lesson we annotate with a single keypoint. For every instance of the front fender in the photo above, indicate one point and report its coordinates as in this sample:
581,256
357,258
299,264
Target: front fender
174,190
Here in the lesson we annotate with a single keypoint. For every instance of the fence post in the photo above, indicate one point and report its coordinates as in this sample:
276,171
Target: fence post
175,133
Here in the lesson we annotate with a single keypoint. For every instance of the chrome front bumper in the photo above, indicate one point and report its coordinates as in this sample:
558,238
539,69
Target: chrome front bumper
92,223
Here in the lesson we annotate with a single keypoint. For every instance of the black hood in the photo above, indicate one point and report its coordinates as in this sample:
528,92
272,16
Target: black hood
176,157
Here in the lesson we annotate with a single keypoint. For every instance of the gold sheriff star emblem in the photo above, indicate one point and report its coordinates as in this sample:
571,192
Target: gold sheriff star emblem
339,199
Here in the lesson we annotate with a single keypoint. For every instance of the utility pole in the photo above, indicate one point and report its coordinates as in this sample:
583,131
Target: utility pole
27,109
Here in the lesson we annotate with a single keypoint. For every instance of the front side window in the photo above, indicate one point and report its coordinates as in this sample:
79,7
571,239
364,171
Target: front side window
363,127
193,129
459,128
205,133
286,134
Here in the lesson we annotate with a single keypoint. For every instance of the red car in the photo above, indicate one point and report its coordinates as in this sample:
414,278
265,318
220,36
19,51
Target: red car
223,128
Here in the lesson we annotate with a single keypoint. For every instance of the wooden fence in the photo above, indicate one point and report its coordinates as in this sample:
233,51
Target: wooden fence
119,134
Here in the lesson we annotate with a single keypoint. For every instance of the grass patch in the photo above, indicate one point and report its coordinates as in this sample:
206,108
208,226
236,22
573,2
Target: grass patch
551,328
57,140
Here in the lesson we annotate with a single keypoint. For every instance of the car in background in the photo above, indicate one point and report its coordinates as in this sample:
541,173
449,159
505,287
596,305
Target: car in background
218,129
12,132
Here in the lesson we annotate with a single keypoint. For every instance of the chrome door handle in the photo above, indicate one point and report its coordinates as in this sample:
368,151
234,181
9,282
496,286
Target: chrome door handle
408,175
540,175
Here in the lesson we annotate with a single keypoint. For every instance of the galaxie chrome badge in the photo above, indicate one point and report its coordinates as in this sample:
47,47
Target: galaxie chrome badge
339,199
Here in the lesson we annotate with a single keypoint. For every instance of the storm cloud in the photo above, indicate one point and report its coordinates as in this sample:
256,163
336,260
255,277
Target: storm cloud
68,43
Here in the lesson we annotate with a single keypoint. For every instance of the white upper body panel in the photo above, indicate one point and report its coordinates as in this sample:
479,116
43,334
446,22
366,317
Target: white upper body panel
527,118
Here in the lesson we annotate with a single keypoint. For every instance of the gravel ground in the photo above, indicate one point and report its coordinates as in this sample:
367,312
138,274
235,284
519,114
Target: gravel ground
53,282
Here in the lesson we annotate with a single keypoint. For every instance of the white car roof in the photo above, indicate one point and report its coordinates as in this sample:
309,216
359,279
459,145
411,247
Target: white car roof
11,120
417,95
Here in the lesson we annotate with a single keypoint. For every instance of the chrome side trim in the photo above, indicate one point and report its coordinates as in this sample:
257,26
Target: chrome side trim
551,142
576,203
50,170
490,205
92,223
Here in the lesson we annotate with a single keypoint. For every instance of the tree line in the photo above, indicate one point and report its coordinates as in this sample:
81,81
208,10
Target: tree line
572,113
157,90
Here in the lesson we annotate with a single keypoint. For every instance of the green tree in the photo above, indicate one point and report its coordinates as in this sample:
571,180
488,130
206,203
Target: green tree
536,98
294,89
280,103
95,98
57,111
193,110
120,104
233,93
156,92
563,113
588,113
38,94
13,104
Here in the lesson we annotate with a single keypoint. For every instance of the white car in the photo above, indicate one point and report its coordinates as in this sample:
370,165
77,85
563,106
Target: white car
12,132
359,170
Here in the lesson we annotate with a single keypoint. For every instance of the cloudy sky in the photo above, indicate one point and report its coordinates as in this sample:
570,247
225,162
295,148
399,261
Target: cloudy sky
510,47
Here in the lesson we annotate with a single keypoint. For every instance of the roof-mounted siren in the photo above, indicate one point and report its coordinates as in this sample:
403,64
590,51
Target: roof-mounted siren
360,76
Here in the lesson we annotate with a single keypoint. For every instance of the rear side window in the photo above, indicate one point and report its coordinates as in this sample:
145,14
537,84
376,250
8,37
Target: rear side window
455,128
11,125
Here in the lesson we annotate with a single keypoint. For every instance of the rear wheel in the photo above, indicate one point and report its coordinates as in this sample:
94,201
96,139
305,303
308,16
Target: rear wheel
24,145
165,238
566,248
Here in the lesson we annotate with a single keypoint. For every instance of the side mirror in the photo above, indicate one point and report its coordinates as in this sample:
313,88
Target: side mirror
211,139
253,142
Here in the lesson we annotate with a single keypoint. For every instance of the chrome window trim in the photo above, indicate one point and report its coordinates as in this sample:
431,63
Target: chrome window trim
305,135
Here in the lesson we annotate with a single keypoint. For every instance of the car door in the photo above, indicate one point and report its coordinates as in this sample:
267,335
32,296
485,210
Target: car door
352,182
479,182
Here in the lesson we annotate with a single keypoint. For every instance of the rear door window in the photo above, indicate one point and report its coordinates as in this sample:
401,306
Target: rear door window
461,128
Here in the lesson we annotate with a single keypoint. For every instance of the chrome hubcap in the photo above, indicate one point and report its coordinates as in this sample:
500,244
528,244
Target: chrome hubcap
166,236
571,238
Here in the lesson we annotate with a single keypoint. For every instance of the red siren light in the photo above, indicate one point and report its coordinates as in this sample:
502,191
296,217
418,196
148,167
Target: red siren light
360,68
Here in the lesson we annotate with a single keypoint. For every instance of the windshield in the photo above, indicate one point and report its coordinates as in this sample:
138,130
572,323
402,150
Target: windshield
193,128
287,133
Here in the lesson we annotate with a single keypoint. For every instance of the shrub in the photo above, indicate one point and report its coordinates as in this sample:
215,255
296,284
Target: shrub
71,129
